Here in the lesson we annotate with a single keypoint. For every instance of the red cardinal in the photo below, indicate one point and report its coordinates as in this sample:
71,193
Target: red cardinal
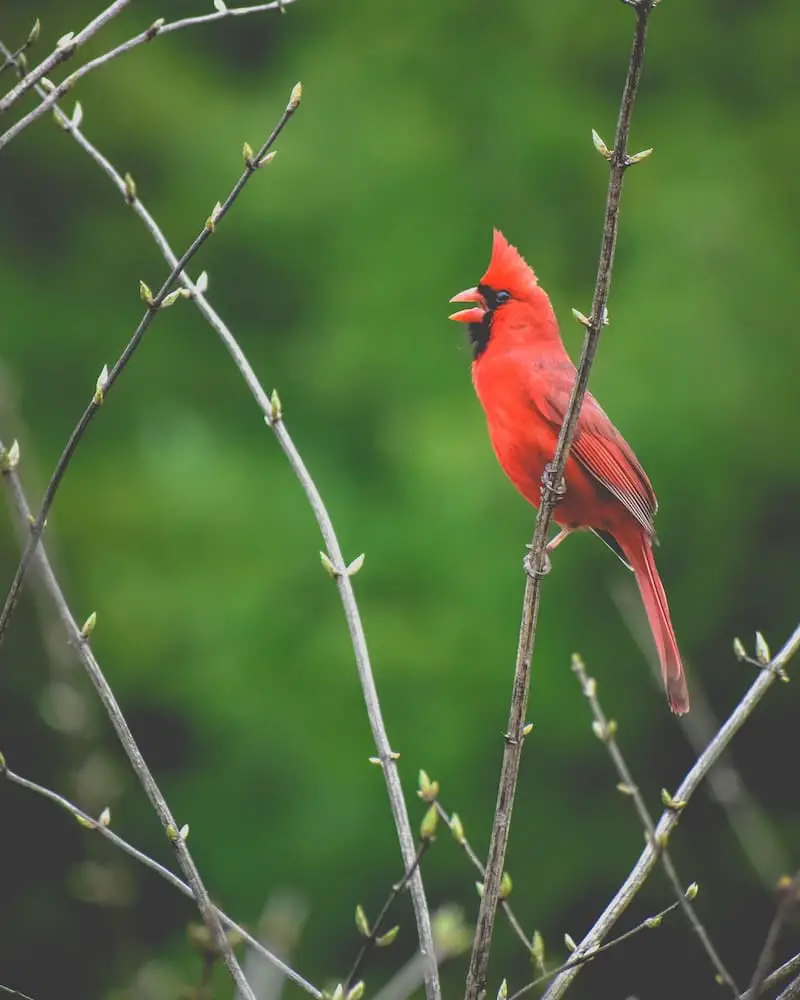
523,377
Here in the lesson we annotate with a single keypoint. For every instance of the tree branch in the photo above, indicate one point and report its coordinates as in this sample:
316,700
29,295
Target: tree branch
105,831
386,756
787,904
107,379
604,730
551,490
69,45
79,638
155,29
669,818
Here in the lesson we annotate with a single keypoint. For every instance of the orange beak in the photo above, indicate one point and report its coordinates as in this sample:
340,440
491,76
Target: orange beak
474,315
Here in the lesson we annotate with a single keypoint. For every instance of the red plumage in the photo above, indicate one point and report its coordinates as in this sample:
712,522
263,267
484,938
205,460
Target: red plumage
523,377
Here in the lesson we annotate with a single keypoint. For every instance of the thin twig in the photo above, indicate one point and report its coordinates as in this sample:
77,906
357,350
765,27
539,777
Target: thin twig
371,937
669,818
788,968
551,492
155,29
605,730
69,45
576,960
787,904
105,831
79,638
14,993
344,585
726,787
457,829
107,379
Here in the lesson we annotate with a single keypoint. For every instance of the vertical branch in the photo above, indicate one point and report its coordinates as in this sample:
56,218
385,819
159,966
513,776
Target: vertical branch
552,490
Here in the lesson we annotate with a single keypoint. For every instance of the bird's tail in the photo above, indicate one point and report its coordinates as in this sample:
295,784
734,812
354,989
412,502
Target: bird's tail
640,556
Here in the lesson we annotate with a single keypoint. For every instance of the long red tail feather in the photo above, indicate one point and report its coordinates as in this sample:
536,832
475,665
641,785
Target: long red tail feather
640,556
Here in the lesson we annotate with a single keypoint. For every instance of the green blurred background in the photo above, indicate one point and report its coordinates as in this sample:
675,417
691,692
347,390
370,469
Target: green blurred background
180,523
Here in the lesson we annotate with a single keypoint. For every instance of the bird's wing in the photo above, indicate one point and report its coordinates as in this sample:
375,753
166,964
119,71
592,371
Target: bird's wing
598,446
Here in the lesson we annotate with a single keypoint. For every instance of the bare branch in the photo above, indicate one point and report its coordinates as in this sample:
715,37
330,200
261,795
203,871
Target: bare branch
386,756
67,47
457,829
105,831
787,904
782,972
726,787
605,730
372,938
155,29
552,490
176,835
107,379
669,818
576,960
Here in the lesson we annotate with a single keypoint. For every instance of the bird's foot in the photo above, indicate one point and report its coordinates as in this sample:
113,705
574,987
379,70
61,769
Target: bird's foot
551,490
530,569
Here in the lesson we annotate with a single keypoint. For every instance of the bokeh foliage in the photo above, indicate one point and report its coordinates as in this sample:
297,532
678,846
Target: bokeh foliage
180,523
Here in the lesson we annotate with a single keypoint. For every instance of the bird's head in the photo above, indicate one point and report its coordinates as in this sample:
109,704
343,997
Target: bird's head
508,281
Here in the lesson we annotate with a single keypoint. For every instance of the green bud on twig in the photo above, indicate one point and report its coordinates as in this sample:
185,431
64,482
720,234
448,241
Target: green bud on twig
569,941
537,951
428,790
275,406
502,993
328,566
676,805
267,158
100,386
145,294
221,6
738,650
361,921
295,97
457,829
355,565
9,459
247,154
357,992
33,34
88,625
762,650
638,157
130,188
692,891
388,938
600,146
104,819
506,886
583,320
430,821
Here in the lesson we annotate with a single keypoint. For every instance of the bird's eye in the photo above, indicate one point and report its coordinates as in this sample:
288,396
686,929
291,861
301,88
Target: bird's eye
501,297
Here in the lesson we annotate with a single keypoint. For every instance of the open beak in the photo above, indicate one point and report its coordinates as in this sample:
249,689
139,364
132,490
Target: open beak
474,315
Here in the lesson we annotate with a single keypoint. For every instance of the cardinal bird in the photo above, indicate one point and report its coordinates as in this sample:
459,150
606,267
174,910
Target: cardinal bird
523,377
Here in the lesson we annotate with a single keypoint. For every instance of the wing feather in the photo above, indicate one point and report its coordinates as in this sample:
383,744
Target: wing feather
599,447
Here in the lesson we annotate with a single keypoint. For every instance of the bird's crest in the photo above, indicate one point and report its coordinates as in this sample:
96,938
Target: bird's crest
508,269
